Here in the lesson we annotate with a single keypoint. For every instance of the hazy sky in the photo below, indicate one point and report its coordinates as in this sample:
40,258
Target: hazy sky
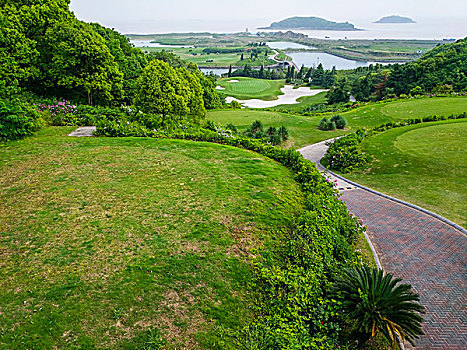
260,12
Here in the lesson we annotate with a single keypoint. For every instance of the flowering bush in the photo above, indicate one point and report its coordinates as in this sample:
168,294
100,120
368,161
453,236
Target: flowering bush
62,113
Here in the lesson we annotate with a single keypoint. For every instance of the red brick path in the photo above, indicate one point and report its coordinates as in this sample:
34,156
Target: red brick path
428,254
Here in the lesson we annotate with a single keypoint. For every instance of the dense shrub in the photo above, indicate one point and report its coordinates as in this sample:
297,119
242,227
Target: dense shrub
235,105
340,121
272,135
345,153
18,119
326,125
61,113
335,122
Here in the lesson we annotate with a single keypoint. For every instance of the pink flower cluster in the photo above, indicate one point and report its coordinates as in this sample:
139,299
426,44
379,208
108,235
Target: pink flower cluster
59,108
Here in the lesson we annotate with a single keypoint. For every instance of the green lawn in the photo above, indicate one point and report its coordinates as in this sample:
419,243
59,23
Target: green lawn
425,164
377,114
105,242
303,131
197,56
250,88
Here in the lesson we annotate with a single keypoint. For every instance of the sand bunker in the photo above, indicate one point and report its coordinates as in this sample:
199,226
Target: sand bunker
220,87
289,97
233,81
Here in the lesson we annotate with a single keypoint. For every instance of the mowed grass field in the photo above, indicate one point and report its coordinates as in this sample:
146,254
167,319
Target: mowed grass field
303,131
425,164
249,88
197,56
380,113
131,243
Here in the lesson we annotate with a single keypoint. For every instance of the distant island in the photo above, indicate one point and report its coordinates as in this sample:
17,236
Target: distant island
395,19
311,23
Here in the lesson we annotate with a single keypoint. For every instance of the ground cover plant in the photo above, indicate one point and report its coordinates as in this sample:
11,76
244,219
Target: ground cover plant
250,88
121,240
410,165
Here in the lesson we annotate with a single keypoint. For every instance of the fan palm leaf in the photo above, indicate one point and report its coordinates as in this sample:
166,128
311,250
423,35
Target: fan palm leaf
378,302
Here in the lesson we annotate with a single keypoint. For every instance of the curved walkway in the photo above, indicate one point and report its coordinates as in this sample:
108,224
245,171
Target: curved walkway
423,250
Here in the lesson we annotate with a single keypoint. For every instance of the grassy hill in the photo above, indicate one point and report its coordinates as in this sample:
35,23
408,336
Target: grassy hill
116,243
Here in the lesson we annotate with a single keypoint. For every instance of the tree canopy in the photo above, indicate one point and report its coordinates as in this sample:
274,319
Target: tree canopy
173,93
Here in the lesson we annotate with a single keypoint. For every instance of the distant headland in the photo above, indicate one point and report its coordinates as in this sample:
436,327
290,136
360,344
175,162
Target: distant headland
311,23
395,19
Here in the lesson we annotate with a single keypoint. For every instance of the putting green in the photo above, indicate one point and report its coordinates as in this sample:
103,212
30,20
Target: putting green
250,88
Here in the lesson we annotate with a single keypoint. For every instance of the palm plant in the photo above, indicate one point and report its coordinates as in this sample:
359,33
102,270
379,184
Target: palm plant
374,301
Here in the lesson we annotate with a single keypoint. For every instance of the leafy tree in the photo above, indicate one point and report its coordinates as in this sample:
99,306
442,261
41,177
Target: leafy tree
193,93
165,91
131,60
445,64
76,60
375,302
338,93
169,57
18,53
211,98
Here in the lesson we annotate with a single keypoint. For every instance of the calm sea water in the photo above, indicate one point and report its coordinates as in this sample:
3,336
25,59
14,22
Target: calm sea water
424,29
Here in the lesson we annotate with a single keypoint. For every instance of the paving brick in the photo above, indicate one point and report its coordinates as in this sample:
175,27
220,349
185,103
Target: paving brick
427,253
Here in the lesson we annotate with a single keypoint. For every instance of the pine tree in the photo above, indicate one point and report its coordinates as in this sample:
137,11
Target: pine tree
230,71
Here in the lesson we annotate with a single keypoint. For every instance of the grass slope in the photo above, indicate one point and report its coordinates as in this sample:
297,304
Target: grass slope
110,243
423,164
250,88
